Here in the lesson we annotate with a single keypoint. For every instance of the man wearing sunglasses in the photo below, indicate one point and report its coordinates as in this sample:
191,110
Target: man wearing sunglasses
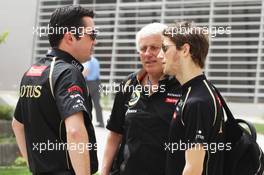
195,143
52,120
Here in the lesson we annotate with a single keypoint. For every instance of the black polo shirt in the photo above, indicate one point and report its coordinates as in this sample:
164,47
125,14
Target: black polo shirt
198,118
43,115
144,123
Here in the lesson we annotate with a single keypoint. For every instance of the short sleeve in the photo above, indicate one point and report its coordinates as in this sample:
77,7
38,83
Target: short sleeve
116,120
69,92
18,112
198,122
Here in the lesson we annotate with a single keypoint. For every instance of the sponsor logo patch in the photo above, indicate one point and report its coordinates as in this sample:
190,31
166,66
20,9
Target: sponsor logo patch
199,135
131,111
173,95
171,100
36,71
75,88
76,96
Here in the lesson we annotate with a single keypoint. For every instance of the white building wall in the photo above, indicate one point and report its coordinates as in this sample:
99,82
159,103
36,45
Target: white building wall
235,62
18,18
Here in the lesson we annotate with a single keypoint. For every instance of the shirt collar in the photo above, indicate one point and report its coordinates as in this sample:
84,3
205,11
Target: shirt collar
65,56
194,81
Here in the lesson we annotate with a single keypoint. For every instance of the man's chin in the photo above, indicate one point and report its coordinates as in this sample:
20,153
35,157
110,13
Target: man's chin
88,58
153,70
167,72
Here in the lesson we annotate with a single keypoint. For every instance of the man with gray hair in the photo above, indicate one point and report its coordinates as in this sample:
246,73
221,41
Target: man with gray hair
142,111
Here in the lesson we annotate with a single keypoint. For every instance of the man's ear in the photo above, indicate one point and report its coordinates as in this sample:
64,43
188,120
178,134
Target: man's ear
68,38
186,49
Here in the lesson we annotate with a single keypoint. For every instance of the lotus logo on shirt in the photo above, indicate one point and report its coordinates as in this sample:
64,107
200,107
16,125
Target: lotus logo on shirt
126,85
30,91
134,98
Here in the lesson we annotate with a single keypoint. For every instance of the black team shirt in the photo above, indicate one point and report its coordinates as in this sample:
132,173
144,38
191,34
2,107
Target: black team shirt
198,119
43,115
144,123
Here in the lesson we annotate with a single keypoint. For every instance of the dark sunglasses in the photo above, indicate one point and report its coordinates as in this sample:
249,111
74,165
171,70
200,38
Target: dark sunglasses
165,47
92,34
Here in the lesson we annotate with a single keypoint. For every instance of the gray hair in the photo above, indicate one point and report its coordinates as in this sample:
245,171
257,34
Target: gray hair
150,29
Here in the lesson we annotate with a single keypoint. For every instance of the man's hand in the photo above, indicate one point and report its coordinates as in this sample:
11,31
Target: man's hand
19,131
112,144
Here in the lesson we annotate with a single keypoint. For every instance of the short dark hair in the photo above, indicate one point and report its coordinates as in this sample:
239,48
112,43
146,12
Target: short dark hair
67,18
186,32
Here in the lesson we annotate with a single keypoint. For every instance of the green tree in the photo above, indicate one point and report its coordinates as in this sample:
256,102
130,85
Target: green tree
3,37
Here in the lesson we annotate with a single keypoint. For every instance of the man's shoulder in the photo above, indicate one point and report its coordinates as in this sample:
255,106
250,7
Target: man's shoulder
62,69
62,66
201,96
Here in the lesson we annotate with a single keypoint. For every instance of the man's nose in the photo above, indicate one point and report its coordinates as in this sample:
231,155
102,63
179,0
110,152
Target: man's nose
161,55
94,42
148,51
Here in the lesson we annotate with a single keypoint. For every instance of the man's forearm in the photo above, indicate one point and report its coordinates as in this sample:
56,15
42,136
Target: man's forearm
80,157
192,171
194,159
78,137
112,145
19,132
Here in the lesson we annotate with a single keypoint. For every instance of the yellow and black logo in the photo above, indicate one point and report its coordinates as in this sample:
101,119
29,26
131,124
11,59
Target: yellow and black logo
134,98
126,85
29,91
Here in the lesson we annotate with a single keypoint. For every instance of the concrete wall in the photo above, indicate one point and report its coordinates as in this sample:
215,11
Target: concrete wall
18,18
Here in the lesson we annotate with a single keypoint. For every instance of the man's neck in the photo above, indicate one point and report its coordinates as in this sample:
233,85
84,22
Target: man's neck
154,78
188,73
69,51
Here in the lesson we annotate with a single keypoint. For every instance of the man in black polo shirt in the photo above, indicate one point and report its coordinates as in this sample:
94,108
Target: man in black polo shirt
142,112
52,120
195,145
